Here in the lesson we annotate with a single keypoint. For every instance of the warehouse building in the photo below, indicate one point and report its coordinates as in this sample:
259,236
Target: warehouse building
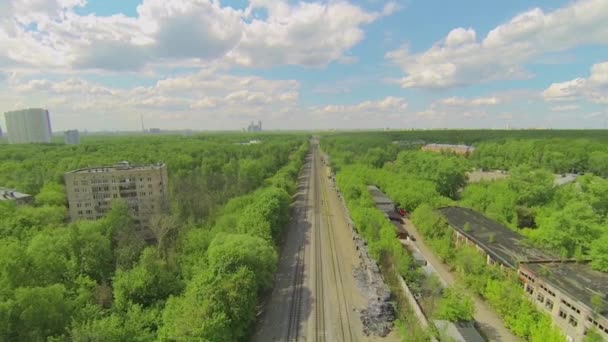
458,149
574,295
143,187
11,195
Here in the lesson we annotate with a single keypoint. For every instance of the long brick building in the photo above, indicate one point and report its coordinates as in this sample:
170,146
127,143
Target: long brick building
574,295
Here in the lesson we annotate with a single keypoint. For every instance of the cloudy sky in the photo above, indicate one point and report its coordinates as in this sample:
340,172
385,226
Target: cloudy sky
211,64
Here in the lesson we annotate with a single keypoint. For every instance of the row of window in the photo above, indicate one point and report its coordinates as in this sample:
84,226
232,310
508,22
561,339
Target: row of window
597,325
547,290
527,276
572,307
113,180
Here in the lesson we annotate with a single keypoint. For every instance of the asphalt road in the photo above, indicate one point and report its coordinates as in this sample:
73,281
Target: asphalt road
315,297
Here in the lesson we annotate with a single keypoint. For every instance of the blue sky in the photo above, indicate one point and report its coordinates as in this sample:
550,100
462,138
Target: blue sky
209,64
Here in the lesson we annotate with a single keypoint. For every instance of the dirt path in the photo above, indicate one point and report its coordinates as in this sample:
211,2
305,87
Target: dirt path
488,321
315,296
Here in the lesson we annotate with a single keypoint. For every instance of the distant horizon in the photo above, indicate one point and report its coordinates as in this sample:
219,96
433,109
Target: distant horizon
315,64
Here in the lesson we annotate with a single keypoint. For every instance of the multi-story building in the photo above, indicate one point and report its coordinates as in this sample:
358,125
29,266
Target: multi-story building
72,137
255,128
28,126
143,187
574,295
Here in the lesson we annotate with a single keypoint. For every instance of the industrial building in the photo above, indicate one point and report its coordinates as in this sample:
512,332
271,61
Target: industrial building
15,196
143,187
28,126
458,149
574,295
72,137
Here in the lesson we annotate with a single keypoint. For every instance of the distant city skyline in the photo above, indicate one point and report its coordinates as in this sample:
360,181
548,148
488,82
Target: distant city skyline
319,64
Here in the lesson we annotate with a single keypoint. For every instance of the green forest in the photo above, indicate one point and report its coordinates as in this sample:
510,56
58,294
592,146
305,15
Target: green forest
229,203
98,281
569,220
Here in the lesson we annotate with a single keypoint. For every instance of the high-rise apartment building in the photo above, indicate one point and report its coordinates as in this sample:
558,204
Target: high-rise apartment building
143,187
28,126
72,137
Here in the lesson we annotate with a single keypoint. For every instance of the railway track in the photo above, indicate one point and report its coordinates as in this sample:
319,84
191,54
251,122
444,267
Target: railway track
345,326
293,325
318,266
293,328
343,314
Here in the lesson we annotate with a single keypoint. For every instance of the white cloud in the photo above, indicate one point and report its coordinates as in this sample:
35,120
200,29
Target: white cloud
564,108
49,34
594,88
390,8
460,59
310,34
208,98
475,102
392,105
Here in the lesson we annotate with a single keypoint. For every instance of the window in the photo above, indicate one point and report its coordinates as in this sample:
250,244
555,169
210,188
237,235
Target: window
549,304
84,182
79,212
562,314
547,290
78,205
529,289
141,179
114,196
540,297
77,190
573,322
149,179
89,212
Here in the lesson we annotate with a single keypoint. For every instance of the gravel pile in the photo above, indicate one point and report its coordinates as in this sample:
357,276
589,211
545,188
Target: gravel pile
378,318
379,315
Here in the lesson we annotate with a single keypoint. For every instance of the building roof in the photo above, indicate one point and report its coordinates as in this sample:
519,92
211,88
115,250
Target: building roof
568,178
449,146
11,195
459,331
578,280
121,166
378,196
503,244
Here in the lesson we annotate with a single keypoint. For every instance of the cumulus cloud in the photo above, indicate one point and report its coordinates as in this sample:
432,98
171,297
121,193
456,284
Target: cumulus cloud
594,88
205,95
389,104
309,34
475,102
49,34
461,59
564,108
